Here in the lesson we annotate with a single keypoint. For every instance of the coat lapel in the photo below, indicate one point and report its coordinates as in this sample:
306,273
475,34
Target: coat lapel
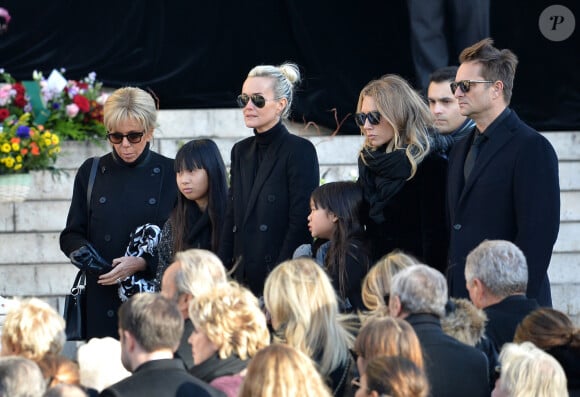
266,167
455,177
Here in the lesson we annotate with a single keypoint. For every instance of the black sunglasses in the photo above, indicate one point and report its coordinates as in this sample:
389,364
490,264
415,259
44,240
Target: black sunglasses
374,118
256,99
465,85
132,137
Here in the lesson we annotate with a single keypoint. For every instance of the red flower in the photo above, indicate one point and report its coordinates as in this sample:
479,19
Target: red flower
4,114
20,100
82,85
19,88
82,102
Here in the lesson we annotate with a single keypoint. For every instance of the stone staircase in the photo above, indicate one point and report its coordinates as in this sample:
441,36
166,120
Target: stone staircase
31,263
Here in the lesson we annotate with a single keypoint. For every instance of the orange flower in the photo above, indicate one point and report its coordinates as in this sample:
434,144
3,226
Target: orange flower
24,151
15,140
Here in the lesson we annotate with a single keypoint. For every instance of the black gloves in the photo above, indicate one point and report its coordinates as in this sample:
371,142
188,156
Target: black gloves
88,259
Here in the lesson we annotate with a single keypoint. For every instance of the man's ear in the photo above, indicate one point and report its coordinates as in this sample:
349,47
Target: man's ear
183,302
395,307
128,340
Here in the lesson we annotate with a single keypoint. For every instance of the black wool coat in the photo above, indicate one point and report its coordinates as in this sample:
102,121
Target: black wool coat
267,207
123,197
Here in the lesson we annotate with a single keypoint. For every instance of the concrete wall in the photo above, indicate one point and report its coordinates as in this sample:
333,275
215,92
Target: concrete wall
31,263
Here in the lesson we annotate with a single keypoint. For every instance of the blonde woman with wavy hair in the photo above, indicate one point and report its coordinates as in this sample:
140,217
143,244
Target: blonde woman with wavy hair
32,329
305,315
376,286
229,329
403,181
282,371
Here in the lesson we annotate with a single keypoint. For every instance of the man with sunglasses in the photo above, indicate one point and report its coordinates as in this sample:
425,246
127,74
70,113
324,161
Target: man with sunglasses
503,179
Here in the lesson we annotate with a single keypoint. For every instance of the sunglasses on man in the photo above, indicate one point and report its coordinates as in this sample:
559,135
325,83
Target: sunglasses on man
465,85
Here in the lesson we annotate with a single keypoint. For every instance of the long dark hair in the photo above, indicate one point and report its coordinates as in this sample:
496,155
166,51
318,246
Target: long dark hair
200,154
344,200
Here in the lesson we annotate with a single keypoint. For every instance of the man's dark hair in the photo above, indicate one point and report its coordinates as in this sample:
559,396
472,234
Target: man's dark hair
495,64
443,74
154,322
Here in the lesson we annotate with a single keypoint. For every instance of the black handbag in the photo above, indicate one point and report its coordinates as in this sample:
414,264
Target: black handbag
75,304
75,309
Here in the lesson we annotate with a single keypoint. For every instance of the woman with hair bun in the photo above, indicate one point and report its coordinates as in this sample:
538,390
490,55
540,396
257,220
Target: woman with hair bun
272,175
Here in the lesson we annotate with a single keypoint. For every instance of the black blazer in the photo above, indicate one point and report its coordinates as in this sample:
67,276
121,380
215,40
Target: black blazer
161,378
123,197
513,194
453,368
267,208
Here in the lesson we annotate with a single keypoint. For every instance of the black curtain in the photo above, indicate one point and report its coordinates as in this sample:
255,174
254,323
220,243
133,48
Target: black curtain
196,54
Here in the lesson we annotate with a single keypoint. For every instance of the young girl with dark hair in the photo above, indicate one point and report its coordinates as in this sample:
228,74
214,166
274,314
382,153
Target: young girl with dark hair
335,223
196,221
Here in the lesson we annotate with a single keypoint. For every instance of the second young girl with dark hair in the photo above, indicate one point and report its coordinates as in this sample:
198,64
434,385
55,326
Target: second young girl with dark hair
335,217
196,221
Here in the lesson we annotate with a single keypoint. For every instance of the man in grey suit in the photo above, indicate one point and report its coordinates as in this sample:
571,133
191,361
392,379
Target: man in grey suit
502,181
150,328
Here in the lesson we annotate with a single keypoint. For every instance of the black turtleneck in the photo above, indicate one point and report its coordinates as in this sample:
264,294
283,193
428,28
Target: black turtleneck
140,160
264,139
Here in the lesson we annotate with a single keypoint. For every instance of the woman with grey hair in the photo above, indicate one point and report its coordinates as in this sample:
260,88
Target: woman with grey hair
273,174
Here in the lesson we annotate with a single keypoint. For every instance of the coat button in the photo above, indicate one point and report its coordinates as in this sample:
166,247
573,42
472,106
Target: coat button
271,198
102,199
156,170
457,226
234,229
107,237
152,201
110,313
263,228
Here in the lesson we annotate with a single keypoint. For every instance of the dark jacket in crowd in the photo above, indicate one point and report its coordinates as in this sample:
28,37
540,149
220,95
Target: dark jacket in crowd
124,196
272,177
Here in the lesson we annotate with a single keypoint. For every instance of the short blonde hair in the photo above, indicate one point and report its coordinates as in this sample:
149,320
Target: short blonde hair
377,283
130,103
230,316
200,271
388,336
529,371
304,309
282,371
32,329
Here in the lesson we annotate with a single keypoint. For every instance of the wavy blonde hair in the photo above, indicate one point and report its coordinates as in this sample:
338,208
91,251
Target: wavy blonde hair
304,309
230,316
32,329
406,113
377,283
282,371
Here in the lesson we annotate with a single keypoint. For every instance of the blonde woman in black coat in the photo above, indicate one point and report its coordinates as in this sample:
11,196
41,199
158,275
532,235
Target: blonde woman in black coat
273,174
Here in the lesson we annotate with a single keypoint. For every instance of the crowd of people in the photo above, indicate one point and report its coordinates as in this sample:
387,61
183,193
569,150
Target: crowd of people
425,277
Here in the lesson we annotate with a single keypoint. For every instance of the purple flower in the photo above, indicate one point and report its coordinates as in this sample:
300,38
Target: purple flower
23,131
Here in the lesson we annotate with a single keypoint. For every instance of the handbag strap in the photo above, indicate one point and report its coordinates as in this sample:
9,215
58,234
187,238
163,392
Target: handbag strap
79,284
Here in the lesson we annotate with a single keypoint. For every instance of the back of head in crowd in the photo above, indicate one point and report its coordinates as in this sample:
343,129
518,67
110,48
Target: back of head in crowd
200,154
59,370
529,371
418,289
387,336
406,113
342,202
394,377
282,371
231,318
153,321
20,377
284,77
64,390
500,265
100,363
304,310
32,329
376,287
496,65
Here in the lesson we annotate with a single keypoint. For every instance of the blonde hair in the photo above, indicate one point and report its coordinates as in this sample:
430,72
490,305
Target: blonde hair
100,363
377,283
130,103
282,371
529,371
230,316
406,113
200,271
388,336
283,77
32,329
304,309
59,369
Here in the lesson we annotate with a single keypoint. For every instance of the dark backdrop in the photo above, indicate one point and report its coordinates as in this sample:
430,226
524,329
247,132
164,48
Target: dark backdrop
196,54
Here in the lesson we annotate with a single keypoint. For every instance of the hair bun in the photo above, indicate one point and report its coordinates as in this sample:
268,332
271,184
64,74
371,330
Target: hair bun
290,71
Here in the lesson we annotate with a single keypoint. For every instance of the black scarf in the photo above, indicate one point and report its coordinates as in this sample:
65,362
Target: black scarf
215,367
198,232
382,175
